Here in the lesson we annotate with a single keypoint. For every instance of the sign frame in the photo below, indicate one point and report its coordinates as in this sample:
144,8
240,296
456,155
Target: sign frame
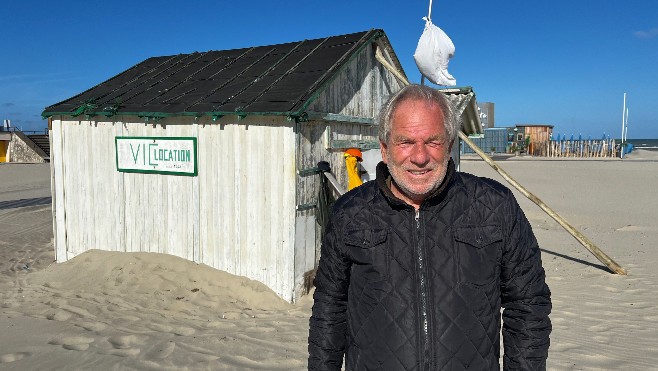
156,140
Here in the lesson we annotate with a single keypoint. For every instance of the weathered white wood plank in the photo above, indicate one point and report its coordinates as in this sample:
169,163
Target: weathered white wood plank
196,207
59,190
53,192
119,191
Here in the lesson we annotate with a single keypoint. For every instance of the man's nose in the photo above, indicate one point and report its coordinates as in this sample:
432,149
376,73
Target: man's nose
420,155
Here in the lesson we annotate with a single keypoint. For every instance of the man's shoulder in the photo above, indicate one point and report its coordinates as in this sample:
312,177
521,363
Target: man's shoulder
482,185
357,197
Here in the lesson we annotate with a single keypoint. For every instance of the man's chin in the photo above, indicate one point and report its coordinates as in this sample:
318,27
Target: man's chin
417,193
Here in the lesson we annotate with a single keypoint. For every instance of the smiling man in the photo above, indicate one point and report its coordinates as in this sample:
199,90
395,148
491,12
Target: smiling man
416,265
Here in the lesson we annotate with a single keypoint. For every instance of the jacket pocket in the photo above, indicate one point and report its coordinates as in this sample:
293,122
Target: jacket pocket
366,238
479,250
369,252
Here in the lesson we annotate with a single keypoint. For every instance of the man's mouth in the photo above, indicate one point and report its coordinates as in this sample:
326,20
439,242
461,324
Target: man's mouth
418,172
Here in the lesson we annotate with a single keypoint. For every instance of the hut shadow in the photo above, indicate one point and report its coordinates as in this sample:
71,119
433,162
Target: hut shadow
13,204
580,261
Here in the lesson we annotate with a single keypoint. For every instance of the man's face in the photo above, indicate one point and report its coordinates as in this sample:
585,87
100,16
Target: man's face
417,151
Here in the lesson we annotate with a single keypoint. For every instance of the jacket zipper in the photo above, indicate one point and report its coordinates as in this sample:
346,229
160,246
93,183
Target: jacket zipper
425,346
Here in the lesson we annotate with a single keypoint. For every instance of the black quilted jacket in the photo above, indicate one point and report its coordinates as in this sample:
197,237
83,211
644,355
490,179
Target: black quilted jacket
400,290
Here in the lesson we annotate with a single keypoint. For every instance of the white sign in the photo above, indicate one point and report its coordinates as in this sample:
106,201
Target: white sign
161,155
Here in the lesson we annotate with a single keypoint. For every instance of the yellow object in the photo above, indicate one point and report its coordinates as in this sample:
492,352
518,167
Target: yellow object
3,150
351,162
355,152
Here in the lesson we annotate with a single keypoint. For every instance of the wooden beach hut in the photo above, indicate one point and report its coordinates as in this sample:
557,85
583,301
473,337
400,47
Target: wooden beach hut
533,136
213,156
210,156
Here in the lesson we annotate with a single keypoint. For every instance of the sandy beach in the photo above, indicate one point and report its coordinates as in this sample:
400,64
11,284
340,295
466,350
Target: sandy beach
108,310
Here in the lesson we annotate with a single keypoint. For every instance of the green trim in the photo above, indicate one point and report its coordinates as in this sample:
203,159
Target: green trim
305,207
215,116
307,172
194,146
85,108
300,118
354,143
340,118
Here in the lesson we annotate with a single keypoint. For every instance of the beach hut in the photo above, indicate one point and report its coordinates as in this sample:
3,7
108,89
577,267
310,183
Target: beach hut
533,137
213,156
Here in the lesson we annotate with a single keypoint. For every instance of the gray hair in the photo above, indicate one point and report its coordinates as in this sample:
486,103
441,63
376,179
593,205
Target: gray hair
422,93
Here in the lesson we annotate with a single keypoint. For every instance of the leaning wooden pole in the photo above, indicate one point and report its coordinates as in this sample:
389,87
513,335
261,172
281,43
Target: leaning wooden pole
589,245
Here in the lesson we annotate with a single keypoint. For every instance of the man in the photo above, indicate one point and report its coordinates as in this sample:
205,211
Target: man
417,264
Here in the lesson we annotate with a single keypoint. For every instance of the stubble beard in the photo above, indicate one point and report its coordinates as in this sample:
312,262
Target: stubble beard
414,192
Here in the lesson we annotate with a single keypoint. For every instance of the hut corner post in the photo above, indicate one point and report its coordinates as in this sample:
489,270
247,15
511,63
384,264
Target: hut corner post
589,245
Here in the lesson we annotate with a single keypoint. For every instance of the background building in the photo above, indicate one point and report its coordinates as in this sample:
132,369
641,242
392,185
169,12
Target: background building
486,114
531,138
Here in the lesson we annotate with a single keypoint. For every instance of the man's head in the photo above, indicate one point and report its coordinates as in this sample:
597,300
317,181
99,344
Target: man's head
417,127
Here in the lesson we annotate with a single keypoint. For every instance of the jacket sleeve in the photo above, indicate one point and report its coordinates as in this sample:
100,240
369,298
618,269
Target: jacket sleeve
525,297
328,323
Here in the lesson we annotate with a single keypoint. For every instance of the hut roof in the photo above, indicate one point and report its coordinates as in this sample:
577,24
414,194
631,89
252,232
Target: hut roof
463,99
278,79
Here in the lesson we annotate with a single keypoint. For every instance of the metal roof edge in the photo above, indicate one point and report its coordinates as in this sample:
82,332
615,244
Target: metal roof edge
457,90
214,114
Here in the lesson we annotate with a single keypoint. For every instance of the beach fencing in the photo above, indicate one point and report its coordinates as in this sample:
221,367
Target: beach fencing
582,148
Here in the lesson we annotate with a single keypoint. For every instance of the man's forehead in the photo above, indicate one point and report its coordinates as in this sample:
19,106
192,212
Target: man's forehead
397,137
419,114
412,107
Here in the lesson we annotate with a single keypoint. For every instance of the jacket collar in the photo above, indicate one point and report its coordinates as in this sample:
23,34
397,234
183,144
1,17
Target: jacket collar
384,180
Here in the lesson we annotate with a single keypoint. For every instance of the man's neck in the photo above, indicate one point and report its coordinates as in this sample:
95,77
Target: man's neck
397,192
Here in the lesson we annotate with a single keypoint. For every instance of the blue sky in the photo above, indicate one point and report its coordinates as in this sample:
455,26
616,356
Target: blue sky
563,63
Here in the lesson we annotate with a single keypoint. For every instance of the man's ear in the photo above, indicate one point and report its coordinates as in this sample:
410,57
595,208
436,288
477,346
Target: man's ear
383,150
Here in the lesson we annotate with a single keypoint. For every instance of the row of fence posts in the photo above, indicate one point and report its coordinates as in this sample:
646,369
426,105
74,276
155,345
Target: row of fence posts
575,148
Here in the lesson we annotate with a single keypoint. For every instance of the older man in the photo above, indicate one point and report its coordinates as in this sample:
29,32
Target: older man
417,264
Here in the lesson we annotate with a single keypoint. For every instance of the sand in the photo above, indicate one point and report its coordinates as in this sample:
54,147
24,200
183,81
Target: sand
105,310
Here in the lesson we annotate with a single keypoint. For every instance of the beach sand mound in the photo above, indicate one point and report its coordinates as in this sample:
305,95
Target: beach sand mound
159,281
120,310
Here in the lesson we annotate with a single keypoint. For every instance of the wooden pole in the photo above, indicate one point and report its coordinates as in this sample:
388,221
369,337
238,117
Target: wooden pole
589,245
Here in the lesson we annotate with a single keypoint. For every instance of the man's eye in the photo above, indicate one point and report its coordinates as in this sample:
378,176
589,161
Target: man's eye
436,143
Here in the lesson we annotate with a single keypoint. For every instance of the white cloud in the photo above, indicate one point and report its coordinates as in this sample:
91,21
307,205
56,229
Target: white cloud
649,34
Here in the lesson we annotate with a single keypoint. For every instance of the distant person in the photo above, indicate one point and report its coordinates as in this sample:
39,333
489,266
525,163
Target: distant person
417,264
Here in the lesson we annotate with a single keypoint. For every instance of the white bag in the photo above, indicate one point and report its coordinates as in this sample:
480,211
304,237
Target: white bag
433,53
